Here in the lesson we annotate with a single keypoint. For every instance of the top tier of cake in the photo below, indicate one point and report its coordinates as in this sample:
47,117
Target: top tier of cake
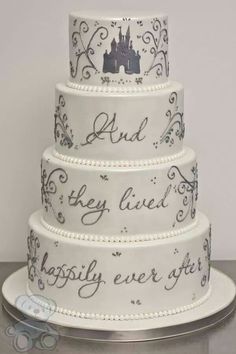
116,52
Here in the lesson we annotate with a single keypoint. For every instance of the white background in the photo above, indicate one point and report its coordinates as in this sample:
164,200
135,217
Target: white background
34,57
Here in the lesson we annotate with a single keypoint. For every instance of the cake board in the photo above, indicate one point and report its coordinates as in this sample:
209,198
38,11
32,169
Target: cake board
219,306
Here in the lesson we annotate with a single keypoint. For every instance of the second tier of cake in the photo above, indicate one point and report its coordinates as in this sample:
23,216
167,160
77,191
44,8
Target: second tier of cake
119,127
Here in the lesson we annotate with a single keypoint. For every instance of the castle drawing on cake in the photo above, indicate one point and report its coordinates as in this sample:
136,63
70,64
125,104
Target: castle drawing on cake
122,54
117,53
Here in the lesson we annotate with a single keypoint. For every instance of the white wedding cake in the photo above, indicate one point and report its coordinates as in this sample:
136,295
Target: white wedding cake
119,236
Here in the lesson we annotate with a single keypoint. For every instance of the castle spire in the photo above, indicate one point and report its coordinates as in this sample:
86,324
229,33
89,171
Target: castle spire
127,37
128,33
120,35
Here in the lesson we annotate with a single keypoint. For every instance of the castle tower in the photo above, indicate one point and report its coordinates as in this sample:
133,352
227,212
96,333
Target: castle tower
127,37
122,55
120,35
113,45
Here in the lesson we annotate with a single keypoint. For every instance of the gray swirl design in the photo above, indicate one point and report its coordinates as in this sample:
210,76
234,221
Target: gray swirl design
32,259
85,50
187,189
173,97
62,131
207,249
157,39
175,126
49,188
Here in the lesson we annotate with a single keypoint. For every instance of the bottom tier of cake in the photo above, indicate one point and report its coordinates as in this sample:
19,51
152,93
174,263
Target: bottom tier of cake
119,281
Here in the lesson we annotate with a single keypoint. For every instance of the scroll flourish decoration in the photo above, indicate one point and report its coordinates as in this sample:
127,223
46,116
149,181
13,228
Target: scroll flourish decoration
85,50
32,259
175,126
49,188
62,132
207,249
158,39
188,189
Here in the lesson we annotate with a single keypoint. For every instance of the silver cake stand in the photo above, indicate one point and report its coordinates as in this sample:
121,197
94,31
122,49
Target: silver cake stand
218,307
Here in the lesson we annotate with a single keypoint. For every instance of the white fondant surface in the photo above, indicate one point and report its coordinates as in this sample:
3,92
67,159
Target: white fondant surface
103,126
119,279
14,287
118,51
119,201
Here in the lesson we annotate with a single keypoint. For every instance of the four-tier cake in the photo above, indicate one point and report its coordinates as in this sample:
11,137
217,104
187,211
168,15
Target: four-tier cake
119,250
119,236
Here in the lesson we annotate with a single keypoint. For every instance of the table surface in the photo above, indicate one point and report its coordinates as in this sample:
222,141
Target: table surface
217,340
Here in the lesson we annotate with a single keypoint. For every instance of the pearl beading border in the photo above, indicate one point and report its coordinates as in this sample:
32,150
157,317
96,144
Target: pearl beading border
115,238
121,317
117,89
118,163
